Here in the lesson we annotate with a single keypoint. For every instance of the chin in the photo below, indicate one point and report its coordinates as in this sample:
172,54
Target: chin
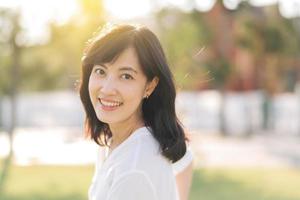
107,120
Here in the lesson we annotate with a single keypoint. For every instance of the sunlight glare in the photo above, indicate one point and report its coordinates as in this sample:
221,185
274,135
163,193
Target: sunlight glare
205,5
127,9
36,14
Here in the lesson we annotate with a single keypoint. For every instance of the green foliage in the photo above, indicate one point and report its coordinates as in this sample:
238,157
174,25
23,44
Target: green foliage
9,21
220,70
273,40
55,64
4,75
183,35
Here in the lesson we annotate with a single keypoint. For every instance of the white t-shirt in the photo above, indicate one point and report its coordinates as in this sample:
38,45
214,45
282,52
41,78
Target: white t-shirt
136,170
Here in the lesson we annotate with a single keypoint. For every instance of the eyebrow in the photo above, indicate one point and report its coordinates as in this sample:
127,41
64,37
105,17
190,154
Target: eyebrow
124,68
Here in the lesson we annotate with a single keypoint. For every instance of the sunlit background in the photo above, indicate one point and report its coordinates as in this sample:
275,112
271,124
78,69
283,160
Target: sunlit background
236,65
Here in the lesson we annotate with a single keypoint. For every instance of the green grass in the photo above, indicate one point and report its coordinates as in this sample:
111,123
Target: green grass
71,183
47,183
246,184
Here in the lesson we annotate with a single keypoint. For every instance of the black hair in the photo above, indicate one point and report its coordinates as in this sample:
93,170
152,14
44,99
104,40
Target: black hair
159,108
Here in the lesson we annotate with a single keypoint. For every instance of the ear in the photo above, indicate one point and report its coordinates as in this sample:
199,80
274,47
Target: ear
151,86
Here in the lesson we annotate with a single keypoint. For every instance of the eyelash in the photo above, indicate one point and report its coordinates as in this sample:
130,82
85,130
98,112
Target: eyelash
96,71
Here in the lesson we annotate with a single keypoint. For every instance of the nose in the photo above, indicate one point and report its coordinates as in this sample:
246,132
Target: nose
108,86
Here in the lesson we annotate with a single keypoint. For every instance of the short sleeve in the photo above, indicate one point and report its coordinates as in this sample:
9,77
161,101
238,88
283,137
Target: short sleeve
132,186
181,164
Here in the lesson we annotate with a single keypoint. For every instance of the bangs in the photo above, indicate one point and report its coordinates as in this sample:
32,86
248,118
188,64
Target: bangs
107,49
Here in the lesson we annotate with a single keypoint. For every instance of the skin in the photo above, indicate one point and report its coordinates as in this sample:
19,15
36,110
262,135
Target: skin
128,86
183,182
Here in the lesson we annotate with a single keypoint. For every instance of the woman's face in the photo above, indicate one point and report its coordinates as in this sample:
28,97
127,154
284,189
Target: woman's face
117,89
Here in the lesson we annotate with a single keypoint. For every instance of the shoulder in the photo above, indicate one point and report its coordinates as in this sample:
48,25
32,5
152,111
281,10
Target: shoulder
181,164
143,155
146,153
142,145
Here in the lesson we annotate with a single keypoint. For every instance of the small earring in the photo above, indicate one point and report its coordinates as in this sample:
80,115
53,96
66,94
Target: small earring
146,96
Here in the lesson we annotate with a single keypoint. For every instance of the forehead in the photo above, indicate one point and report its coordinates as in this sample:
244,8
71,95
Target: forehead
128,58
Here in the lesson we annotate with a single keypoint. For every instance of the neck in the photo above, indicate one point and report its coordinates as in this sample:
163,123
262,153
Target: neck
122,132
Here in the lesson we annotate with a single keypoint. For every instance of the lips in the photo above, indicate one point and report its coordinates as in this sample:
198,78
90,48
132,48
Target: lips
109,103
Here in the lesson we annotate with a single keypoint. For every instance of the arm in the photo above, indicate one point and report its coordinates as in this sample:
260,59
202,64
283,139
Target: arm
183,181
183,170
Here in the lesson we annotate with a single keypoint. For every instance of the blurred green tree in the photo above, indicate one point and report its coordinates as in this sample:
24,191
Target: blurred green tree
248,48
56,63
11,85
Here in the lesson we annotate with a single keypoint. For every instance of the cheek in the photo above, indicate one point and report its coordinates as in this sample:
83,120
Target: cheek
134,94
92,89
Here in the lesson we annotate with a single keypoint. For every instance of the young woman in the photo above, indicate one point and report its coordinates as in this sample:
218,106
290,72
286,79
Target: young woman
128,94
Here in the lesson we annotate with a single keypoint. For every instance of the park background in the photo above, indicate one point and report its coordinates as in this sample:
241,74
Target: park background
237,70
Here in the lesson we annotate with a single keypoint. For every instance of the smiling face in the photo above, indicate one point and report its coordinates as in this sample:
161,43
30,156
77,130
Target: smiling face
117,89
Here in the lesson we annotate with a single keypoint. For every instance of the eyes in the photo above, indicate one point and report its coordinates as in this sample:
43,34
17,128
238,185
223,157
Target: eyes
100,72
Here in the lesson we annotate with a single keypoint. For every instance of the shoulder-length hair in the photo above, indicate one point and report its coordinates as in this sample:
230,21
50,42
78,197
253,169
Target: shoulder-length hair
159,108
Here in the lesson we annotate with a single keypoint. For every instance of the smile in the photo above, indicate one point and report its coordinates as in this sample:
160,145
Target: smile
109,104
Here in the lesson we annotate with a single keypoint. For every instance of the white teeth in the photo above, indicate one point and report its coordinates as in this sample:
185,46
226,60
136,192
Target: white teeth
111,104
